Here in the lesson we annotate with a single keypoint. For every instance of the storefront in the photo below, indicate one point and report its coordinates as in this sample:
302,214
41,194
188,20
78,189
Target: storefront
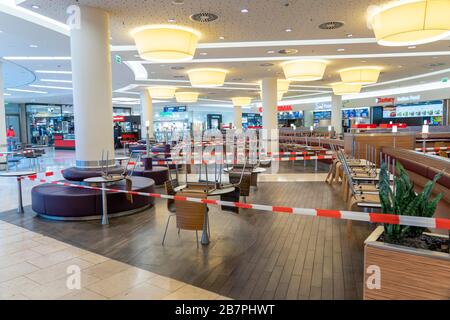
350,116
251,121
287,119
411,114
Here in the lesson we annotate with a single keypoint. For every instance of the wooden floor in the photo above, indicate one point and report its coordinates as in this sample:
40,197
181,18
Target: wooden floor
253,255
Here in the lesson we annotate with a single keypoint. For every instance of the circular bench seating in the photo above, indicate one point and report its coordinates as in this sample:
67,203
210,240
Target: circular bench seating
70,203
159,174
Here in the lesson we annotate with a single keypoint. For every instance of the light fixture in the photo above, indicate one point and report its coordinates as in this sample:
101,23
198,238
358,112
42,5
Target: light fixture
411,22
35,6
171,20
288,30
304,70
165,42
203,53
187,97
340,50
33,46
207,77
49,87
244,10
26,91
241,101
162,92
271,52
341,88
222,38
53,72
360,75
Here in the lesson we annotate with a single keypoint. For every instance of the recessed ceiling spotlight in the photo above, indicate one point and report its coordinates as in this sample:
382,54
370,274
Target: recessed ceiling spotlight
270,52
267,64
178,2
203,53
171,20
177,68
400,66
288,30
349,35
204,17
33,46
340,49
412,47
244,10
35,6
222,38
363,61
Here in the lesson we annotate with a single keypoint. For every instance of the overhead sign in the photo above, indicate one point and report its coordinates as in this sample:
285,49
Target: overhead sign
175,109
118,118
280,109
408,98
118,59
385,100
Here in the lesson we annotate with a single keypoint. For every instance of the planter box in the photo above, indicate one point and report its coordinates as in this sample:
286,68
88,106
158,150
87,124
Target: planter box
406,273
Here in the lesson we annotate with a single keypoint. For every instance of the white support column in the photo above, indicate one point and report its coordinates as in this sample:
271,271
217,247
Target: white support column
269,137
92,88
2,114
146,114
336,114
238,117
270,103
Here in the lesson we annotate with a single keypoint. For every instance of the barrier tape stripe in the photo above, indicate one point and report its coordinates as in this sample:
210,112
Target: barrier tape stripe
434,223
433,149
283,153
193,162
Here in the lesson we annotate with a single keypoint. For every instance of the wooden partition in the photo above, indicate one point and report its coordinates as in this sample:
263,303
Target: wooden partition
356,143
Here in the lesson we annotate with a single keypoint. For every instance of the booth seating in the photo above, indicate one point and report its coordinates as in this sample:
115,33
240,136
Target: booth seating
79,175
71,203
158,174
421,169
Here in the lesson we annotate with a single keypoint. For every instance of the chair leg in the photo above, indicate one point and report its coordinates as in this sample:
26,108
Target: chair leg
196,235
167,225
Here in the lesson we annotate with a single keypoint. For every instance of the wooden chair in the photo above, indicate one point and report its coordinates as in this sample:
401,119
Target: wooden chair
190,215
243,184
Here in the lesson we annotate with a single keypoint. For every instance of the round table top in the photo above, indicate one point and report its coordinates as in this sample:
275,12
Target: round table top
122,158
17,173
256,170
154,169
216,192
103,180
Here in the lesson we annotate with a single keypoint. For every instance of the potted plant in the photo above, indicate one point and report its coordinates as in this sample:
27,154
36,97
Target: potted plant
404,262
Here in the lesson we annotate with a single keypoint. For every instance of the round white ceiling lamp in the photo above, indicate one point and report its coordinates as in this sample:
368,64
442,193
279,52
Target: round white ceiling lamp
410,22
304,70
341,88
187,97
241,101
166,42
207,77
360,75
162,92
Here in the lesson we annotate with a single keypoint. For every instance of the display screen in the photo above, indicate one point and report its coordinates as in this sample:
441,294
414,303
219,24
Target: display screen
290,115
318,115
429,109
175,109
355,113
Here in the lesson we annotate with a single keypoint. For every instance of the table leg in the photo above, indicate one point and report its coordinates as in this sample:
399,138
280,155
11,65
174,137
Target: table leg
19,195
104,206
205,237
315,165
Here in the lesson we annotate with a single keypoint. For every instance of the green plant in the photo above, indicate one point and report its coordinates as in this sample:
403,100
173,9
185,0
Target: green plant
403,200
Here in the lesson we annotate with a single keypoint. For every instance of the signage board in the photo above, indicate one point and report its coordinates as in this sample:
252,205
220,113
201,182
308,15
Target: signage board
175,109
385,100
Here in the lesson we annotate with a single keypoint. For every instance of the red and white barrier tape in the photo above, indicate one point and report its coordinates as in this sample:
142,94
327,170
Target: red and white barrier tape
205,154
433,223
16,153
433,149
231,162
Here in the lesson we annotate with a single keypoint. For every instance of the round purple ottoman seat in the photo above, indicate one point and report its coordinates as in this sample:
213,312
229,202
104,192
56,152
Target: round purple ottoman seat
158,174
70,203
78,174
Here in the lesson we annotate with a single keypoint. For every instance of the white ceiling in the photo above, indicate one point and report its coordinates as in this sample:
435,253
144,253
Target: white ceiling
265,21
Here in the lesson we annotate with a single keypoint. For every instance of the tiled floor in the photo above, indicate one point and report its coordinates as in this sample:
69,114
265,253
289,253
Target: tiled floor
33,266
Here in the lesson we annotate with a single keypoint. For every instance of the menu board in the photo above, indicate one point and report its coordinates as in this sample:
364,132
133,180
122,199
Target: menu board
355,113
290,115
432,109
175,109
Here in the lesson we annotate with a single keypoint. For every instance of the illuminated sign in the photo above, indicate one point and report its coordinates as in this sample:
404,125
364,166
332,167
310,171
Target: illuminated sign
385,100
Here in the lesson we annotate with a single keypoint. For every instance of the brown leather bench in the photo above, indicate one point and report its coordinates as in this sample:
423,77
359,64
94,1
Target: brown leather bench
421,169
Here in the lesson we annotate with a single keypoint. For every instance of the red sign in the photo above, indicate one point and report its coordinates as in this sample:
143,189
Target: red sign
118,118
280,109
385,100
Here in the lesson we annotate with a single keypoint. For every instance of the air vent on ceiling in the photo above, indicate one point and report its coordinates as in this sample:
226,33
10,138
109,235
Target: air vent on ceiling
288,51
331,25
204,17
438,64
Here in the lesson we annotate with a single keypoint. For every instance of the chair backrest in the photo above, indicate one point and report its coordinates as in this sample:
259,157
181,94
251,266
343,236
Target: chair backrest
347,172
171,192
242,181
190,215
